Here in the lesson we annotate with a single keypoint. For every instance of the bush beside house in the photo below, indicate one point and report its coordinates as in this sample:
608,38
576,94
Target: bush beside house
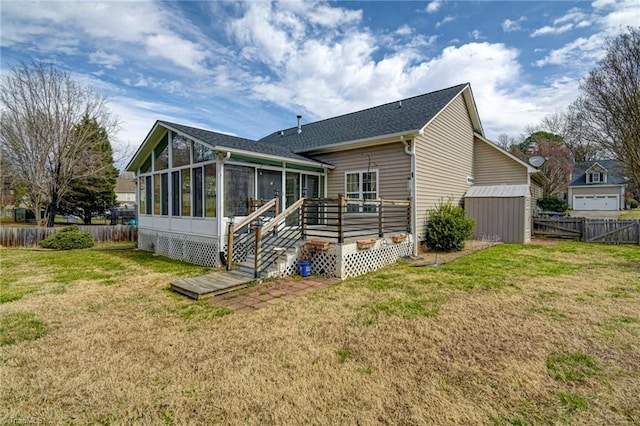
448,227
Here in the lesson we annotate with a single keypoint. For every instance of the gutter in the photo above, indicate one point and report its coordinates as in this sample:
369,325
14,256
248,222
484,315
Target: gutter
410,149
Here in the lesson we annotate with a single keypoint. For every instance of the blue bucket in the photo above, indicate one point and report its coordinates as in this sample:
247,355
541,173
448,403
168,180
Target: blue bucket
305,268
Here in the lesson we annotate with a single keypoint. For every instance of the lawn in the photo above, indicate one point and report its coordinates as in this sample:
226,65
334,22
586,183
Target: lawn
630,214
511,335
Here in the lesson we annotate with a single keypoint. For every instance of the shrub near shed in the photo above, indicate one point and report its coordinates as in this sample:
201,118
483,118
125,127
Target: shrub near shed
448,227
68,238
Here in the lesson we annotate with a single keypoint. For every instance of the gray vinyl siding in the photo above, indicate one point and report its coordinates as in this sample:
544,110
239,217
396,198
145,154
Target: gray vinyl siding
391,161
502,219
444,160
492,167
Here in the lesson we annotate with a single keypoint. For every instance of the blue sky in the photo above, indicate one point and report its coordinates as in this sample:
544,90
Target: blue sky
247,68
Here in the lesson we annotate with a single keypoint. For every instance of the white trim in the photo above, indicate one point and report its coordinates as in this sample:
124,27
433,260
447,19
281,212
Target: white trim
361,182
359,143
473,114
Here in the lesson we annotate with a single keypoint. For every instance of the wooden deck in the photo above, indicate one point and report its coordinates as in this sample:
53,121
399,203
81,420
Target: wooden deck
212,284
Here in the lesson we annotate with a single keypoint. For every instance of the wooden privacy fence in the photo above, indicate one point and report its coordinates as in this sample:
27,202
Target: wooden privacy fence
611,231
30,237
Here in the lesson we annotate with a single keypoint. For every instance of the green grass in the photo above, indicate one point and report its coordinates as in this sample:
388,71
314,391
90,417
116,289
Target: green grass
630,214
19,327
572,402
571,367
58,270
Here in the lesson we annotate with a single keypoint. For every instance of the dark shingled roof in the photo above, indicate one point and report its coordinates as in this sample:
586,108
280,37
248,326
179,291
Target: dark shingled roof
395,117
233,142
615,173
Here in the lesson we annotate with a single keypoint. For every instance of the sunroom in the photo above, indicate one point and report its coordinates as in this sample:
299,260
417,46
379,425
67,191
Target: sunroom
192,183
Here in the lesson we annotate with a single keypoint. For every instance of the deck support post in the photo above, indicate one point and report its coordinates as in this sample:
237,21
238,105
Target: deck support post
380,230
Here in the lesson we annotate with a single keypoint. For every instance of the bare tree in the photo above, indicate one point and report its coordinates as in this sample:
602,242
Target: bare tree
41,108
505,141
570,126
609,106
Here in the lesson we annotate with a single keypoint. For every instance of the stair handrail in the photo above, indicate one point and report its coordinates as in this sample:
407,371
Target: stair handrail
283,216
263,230
253,216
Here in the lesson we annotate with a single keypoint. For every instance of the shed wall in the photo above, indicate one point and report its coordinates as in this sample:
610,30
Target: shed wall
502,219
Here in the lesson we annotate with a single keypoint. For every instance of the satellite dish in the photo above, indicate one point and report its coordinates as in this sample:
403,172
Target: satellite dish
536,161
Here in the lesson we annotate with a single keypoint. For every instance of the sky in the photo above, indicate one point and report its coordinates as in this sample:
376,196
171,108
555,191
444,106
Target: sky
248,68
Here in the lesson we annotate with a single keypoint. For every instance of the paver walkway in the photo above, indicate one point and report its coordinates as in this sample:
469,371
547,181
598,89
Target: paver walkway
269,293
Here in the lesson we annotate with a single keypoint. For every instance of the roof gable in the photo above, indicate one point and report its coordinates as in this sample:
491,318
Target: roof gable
391,119
613,168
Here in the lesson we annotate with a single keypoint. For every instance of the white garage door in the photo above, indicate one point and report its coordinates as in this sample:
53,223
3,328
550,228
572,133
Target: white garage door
595,202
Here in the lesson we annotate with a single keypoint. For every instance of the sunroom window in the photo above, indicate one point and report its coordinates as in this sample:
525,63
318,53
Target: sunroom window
161,154
180,150
239,187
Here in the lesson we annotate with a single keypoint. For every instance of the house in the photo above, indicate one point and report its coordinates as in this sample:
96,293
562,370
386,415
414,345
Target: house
195,186
597,185
126,189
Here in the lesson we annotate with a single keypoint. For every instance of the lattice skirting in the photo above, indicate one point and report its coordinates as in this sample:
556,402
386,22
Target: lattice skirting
194,249
364,261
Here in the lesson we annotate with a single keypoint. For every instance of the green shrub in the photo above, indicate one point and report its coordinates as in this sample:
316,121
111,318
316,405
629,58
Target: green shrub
552,203
448,227
633,203
68,238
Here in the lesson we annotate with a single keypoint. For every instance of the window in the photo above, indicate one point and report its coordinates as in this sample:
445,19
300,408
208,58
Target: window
197,192
161,154
202,153
186,192
143,195
175,194
156,194
164,194
210,190
146,166
361,185
180,150
239,186
595,177
148,193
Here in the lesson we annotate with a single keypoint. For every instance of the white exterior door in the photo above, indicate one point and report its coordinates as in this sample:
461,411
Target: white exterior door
595,202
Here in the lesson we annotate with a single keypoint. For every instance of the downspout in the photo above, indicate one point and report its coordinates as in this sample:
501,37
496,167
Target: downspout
410,150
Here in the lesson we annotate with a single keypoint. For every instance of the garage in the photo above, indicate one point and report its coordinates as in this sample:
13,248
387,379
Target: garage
595,202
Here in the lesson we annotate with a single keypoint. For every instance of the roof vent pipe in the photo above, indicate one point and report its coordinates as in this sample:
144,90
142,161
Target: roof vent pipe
299,125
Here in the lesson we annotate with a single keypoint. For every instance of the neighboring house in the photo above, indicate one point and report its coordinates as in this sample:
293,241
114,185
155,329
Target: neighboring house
126,189
597,185
428,149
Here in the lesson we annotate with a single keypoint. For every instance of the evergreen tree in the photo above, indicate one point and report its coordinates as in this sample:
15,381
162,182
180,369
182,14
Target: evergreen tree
92,192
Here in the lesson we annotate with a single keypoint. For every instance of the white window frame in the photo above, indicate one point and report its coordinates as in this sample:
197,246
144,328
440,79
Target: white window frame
361,193
595,175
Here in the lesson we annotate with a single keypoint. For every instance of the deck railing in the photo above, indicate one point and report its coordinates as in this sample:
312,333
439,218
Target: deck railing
241,236
341,218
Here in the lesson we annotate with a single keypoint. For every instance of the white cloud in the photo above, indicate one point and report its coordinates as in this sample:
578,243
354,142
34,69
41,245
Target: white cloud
576,52
445,20
573,15
434,6
404,30
509,25
548,30
108,60
476,35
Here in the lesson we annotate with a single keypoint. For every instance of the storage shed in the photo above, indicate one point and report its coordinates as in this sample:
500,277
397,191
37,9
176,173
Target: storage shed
502,212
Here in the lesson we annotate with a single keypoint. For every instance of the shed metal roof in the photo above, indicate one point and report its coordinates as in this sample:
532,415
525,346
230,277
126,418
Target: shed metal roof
498,191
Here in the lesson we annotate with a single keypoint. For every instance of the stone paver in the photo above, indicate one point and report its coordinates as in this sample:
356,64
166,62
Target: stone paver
268,293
